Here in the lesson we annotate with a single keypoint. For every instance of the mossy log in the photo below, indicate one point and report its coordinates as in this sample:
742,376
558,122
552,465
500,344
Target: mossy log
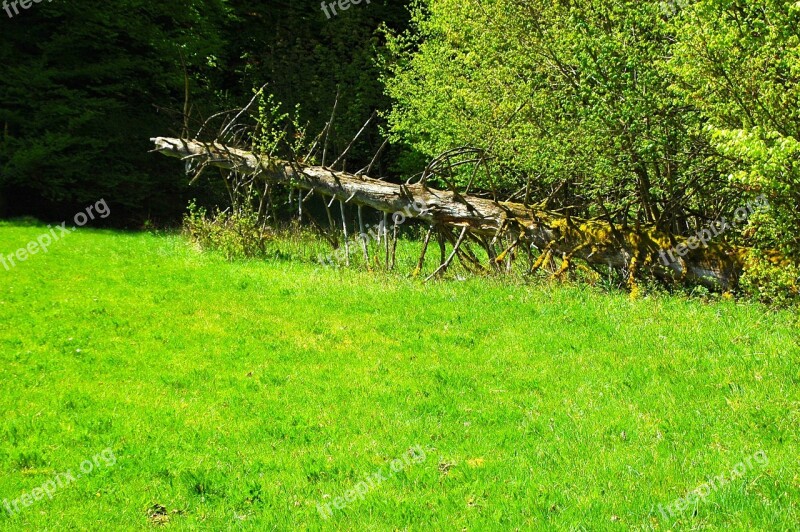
634,252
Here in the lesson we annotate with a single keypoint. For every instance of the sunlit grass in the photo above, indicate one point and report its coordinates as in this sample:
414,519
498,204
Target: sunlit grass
244,394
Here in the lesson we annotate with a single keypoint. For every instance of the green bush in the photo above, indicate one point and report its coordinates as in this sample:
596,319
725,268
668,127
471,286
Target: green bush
771,279
236,235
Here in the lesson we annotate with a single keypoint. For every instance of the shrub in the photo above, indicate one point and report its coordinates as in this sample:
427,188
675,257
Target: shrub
771,280
236,235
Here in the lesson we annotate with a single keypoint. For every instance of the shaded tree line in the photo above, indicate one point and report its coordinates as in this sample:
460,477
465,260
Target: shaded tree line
84,86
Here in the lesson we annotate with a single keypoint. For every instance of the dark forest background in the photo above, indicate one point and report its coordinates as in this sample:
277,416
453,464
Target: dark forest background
84,86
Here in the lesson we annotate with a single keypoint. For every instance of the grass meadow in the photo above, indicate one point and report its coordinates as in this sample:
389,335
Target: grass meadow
284,395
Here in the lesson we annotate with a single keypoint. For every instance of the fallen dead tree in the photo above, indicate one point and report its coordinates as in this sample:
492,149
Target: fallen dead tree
596,242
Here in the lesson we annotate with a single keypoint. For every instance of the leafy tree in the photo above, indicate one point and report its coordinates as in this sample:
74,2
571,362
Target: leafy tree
739,63
575,97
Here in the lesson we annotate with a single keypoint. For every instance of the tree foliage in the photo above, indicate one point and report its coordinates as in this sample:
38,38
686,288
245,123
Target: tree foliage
575,96
641,112
739,64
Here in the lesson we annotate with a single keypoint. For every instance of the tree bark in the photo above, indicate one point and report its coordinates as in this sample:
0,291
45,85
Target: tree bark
717,265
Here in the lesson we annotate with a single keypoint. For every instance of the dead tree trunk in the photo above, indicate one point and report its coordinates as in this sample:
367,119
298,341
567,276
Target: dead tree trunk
596,242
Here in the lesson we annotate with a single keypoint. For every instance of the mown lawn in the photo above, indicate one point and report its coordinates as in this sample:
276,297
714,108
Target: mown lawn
247,395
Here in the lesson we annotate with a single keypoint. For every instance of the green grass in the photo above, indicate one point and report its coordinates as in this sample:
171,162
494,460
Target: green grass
241,395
